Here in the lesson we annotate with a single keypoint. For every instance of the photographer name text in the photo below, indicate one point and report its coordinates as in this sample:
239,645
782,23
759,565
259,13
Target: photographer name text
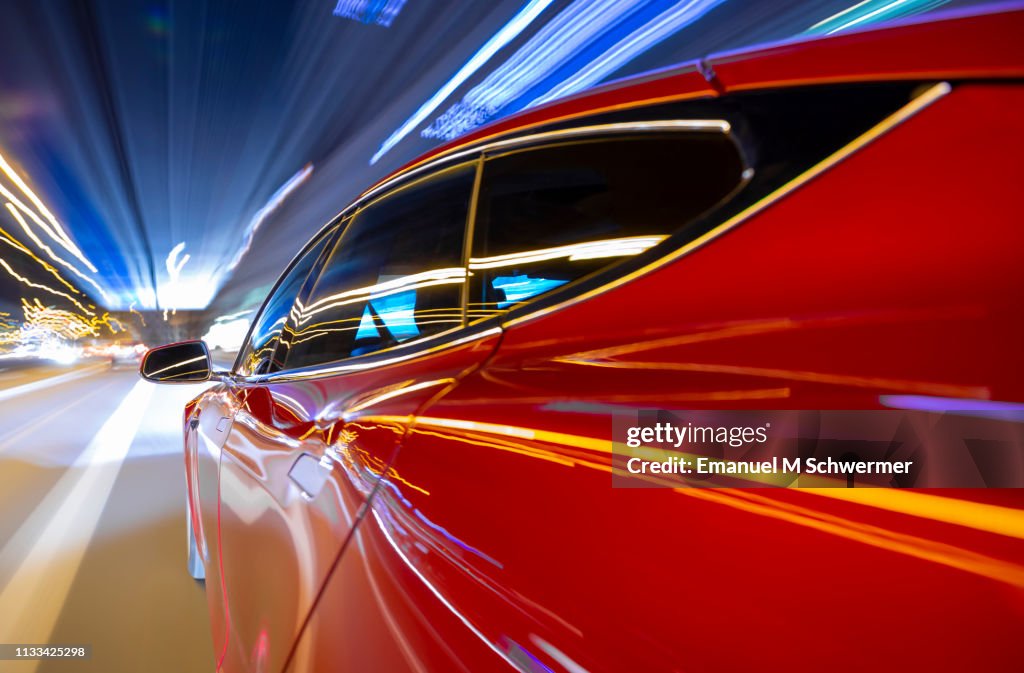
675,436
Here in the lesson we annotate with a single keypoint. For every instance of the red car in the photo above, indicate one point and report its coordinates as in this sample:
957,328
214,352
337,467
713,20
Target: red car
409,467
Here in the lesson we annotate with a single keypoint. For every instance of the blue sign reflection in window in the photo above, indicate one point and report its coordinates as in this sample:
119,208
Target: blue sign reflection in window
397,312
521,288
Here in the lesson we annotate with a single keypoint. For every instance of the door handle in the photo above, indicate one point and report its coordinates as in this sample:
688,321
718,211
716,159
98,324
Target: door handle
310,474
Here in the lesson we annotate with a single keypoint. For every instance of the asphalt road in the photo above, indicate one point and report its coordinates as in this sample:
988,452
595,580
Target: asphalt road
92,522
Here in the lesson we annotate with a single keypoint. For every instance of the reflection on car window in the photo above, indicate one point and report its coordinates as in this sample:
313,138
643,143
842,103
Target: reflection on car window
395,275
551,215
258,356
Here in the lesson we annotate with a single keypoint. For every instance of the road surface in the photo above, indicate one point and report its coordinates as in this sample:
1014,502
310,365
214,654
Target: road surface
92,527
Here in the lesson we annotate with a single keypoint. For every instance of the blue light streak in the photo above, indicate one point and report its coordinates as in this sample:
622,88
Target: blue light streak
508,32
562,38
380,12
665,25
871,11
582,45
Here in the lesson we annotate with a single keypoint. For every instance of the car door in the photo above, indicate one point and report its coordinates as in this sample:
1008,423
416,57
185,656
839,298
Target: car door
454,567
210,418
377,335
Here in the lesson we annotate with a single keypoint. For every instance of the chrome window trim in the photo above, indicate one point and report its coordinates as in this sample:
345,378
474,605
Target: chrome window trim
373,360
676,125
911,108
484,145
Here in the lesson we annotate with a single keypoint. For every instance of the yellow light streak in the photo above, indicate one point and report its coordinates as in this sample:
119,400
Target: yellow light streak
50,253
978,516
882,538
131,309
402,389
14,243
907,385
57,232
45,288
57,321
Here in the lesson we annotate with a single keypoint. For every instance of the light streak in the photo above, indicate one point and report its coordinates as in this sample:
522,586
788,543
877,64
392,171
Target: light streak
871,11
403,389
131,309
399,315
613,247
875,536
437,593
45,288
273,203
562,38
661,27
378,290
57,232
14,243
228,332
35,239
178,364
196,290
174,265
43,320
506,34
233,316
46,551
908,386
575,42
367,11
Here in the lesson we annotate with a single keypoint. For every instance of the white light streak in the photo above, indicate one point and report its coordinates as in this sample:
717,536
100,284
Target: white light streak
57,232
60,260
613,247
508,32
272,204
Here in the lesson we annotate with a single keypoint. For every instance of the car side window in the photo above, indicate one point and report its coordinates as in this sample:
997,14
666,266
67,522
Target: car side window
551,215
396,274
258,355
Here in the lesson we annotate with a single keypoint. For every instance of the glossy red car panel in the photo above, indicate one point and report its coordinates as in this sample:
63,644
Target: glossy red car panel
973,46
278,544
505,542
469,522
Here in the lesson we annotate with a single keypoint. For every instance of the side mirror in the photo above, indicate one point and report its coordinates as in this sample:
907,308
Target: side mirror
185,362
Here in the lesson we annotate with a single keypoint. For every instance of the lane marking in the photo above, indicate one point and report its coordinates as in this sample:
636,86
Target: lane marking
48,548
43,420
48,382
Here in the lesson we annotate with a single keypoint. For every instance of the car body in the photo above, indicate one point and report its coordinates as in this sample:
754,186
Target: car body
398,482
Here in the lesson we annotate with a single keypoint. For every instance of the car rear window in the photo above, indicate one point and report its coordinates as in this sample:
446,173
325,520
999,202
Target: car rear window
552,215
